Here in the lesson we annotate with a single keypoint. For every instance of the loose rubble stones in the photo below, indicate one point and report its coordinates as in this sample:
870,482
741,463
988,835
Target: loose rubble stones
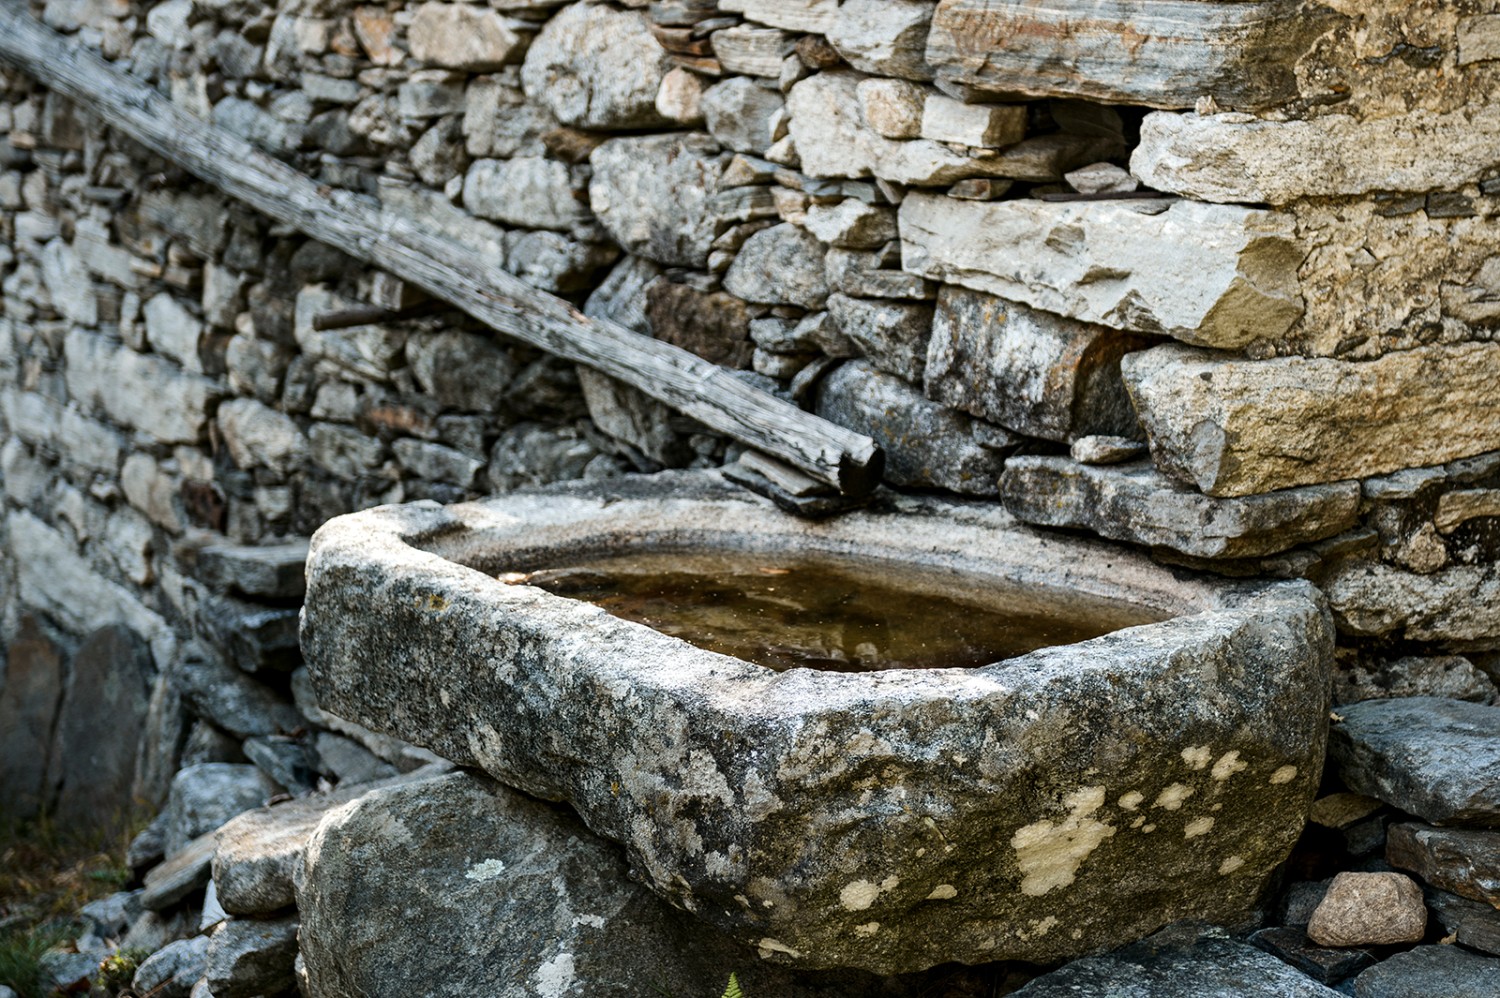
1436,758
1075,858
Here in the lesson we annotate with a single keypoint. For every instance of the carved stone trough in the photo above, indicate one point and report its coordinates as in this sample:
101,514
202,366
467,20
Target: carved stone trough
1060,802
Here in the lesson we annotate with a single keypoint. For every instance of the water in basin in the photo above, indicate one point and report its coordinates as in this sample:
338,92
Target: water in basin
829,613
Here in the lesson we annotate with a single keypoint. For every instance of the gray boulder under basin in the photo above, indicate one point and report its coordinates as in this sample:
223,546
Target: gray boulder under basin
1061,802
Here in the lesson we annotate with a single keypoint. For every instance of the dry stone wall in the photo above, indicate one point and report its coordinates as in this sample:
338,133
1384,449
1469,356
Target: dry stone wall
1221,281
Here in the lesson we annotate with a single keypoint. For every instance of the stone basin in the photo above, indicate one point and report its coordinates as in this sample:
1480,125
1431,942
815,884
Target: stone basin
1061,802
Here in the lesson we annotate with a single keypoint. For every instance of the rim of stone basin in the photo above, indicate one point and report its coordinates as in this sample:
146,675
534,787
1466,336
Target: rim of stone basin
890,820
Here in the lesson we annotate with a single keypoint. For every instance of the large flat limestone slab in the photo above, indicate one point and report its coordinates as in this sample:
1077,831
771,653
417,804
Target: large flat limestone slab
1167,53
1065,801
1239,158
1235,427
1138,504
1213,275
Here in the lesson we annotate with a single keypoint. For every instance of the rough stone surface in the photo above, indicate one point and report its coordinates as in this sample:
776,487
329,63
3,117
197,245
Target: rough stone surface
1330,965
248,957
542,906
1430,970
1210,769
1439,759
1369,909
205,796
780,265
1237,427
833,139
528,191
1137,504
1213,275
1030,371
595,66
925,444
1180,962
273,571
1463,861
892,335
172,971
884,37
654,194
1458,604
462,36
1234,158
739,113
29,701
1168,55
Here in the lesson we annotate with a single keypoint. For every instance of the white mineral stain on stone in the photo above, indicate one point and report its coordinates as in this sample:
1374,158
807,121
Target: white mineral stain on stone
1050,853
1132,800
1285,774
942,892
1197,827
768,947
718,865
1229,763
1231,864
592,921
868,929
555,977
860,894
1172,797
1197,756
487,870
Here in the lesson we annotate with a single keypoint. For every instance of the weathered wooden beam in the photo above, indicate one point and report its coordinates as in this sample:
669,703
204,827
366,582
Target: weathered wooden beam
359,226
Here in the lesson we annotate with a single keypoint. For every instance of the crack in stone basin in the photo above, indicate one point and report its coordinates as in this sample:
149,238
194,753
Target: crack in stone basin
791,611
1064,801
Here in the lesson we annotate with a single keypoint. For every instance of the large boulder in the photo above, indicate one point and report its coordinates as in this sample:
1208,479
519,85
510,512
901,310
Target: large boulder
458,886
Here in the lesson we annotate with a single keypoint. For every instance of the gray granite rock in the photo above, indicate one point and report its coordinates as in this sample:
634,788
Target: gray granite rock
739,112
1034,372
595,66
462,36
527,191
1429,971
29,700
1327,964
782,265
1463,861
232,700
1136,503
172,971
892,335
1180,962
205,796
655,195
1456,604
179,875
1369,909
529,901
1450,676
271,571
248,957
1182,755
1106,450
1436,758
925,444
884,37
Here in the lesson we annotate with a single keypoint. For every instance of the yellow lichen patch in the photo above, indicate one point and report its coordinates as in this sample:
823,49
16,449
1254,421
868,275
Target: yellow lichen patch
942,892
432,603
1197,827
1050,853
1172,797
867,929
769,947
1131,801
1229,763
1285,774
1231,864
1197,756
1039,927
858,895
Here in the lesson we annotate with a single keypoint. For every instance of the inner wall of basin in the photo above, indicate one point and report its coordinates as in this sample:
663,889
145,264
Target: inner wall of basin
847,614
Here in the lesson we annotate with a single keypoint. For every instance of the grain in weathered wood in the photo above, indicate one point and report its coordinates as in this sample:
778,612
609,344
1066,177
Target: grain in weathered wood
359,226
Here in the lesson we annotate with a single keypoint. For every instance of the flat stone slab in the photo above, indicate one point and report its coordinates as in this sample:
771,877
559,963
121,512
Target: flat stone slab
1234,427
1436,758
1464,861
1179,963
1460,604
1232,158
1215,275
887,821
1136,503
1169,53
1430,970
